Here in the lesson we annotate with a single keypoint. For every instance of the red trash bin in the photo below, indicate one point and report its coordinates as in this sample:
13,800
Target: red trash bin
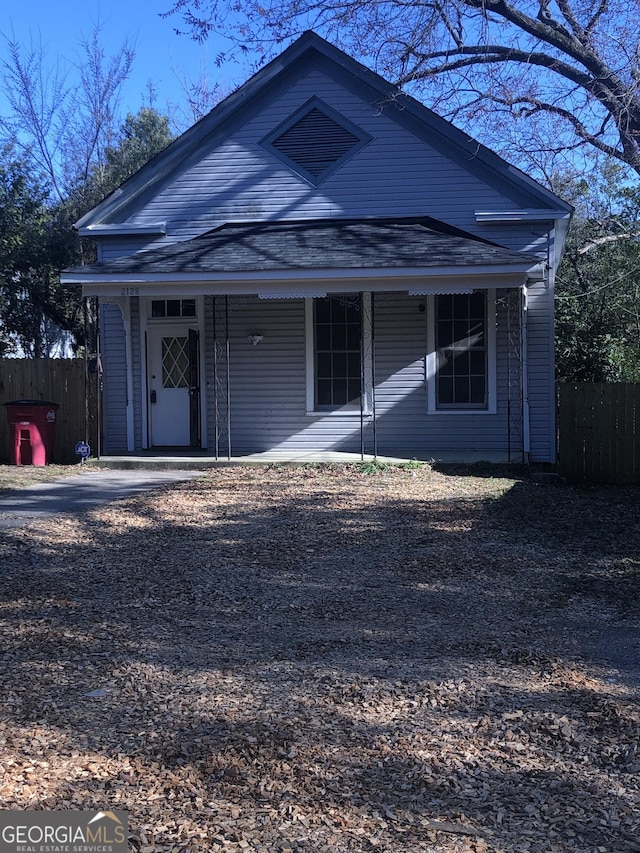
33,429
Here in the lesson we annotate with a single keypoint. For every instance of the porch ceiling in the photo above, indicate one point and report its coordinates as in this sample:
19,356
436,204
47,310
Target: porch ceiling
316,251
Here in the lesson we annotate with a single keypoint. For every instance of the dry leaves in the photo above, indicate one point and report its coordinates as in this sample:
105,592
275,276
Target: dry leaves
317,659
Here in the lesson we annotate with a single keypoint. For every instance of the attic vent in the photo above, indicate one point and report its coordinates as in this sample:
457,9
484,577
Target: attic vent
315,141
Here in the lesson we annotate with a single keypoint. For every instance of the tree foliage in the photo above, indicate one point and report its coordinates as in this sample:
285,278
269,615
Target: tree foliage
598,287
65,148
35,244
495,64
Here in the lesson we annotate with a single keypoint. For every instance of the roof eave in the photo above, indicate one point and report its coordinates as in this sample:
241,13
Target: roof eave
281,282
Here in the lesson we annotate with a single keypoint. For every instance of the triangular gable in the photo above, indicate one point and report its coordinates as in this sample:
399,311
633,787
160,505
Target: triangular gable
311,51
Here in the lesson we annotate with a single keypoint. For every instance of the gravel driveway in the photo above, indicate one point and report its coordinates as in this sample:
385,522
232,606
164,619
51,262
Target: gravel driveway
323,659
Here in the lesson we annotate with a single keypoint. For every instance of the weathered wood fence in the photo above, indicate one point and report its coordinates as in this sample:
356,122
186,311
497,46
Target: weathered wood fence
63,381
599,432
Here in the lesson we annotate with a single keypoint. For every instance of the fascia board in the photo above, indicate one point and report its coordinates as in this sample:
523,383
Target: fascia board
300,275
416,281
124,229
545,215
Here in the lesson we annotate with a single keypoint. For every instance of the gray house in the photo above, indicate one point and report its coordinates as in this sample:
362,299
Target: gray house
323,264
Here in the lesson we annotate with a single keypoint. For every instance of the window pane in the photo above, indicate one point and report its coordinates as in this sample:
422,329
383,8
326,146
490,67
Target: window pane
323,314
353,336
445,334
460,332
173,307
353,364
323,367
354,390
158,308
324,392
478,390
175,363
461,389
460,305
323,336
476,333
462,364
445,390
340,392
340,365
339,336
446,364
476,304
337,310
188,307
476,358
445,308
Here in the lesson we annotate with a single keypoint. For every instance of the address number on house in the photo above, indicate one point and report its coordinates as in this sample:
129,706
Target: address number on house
130,291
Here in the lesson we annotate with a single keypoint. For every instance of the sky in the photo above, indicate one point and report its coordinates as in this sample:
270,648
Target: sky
162,57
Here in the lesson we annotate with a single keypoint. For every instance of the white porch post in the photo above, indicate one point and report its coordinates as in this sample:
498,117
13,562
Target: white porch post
526,431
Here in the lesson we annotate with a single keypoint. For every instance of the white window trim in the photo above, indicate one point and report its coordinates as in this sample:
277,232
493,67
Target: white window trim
492,367
309,331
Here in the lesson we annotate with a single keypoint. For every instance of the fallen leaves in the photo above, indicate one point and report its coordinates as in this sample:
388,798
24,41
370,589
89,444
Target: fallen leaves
316,659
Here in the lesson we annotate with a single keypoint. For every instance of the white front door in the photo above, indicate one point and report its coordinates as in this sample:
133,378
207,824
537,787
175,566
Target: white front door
172,360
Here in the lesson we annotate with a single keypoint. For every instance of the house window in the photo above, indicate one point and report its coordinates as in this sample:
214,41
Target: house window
461,359
173,308
338,353
461,348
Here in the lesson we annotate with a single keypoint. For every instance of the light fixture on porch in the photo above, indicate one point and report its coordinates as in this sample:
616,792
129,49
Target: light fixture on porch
255,339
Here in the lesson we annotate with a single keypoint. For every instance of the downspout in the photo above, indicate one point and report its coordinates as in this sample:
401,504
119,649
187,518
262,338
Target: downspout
526,433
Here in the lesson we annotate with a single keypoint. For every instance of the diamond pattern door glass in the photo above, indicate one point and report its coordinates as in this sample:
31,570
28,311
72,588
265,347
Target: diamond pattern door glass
175,362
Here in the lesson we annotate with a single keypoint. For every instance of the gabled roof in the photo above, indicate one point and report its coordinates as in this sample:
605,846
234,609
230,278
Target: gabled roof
313,246
311,51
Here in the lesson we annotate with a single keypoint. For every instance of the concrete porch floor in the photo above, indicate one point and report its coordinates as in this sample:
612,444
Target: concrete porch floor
155,460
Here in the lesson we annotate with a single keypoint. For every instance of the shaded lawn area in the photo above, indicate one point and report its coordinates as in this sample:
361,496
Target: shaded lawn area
310,659
22,476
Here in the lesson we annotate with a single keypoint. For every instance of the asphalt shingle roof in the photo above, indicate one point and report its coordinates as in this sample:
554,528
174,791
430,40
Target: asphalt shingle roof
317,245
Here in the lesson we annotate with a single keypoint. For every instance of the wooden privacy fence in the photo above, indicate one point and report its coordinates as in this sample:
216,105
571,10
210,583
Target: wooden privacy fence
61,380
599,432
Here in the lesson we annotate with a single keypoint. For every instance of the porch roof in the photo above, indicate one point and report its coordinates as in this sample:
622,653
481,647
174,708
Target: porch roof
313,250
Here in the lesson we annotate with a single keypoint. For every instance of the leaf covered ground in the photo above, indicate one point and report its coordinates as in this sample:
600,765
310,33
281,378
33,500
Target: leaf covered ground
321,659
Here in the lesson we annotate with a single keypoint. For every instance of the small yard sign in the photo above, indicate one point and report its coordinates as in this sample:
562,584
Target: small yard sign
83,450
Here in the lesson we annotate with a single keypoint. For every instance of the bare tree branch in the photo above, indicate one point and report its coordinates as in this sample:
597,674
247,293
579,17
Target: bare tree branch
536,48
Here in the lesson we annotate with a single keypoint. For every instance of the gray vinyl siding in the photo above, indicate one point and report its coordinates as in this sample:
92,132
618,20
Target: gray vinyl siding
114,380
268,383
396,174
117,247
400,336
268,386
403,423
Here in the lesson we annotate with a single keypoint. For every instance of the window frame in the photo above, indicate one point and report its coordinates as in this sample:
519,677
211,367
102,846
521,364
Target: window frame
349,409
431,363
